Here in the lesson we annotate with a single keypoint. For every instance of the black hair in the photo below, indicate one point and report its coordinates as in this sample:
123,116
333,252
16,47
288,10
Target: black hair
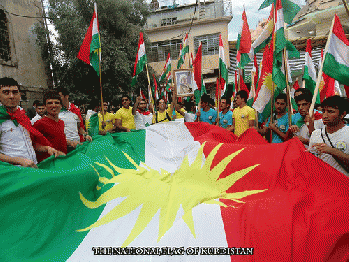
51,94
63,90
304,96
205,98
36,102
40,104
243,94
125,95
282,96
340,103
227,99
157,101
7,81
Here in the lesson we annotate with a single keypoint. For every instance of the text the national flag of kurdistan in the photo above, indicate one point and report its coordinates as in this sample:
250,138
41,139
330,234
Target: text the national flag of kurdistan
336,63
141,59
90,50
101,197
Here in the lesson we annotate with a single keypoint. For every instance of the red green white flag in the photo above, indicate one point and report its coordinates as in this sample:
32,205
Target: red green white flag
309,71
141,59
222,67
183,51
243,44
156,93
291,8
90,50
167,68
336,63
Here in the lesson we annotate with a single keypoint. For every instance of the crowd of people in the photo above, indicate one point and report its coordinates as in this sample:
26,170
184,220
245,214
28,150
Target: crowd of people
55,126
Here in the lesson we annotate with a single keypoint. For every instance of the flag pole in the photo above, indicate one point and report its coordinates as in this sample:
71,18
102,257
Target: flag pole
318,81
287,89
149,88
100,83
218,94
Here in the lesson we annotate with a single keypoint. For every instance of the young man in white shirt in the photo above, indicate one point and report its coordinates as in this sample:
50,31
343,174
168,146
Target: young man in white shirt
16,146
73,127
142,116
40,110
331,143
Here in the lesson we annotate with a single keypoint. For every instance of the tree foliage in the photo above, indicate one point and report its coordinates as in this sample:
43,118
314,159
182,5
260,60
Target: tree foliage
120,22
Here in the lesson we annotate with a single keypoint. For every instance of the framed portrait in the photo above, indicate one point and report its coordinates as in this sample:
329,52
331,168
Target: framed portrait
184,82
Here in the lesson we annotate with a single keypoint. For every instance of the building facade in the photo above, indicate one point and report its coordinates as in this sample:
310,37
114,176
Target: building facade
204,22
20,55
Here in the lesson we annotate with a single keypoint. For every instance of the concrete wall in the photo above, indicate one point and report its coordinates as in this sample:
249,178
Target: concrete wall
26,65
199,28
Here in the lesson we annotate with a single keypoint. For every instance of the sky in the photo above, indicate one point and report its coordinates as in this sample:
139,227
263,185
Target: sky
234,27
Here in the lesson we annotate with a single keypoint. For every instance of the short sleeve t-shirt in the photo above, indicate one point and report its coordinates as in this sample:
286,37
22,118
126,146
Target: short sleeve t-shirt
108,119
165,116
54,132
282,124
303,129
242,116
71,121
126,117
339,140
226,119
209,116
15,141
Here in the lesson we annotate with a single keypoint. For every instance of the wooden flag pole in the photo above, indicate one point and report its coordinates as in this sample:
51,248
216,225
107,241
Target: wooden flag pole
253,73
218,95
149,88
318,81
100,85
287,89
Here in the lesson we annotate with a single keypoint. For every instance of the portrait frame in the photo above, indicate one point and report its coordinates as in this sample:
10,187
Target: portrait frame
184,82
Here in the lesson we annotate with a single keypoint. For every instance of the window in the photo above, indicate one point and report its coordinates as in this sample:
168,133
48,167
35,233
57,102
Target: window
4,38
169,21
158,51
210,44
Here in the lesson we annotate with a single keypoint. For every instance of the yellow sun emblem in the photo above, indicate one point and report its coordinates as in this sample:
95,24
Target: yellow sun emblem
188,187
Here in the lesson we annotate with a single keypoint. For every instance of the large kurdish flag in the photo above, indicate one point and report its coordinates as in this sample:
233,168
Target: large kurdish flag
185,193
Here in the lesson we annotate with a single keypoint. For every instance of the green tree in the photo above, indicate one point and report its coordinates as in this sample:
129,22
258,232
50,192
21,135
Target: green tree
120,22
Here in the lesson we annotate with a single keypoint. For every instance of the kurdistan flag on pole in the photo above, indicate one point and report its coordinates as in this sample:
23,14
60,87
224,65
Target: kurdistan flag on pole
167,68
309,71
243,44
291,8
222,67
183,51
265,37
90,50
141,59
336,63
188,193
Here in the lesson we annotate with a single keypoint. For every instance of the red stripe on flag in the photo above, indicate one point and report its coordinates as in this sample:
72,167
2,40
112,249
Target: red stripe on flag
84,52
303,212
338,30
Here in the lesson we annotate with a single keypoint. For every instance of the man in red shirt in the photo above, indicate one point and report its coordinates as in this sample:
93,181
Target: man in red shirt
51,126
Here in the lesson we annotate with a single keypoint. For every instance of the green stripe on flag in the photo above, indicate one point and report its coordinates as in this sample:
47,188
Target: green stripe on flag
336,70
41,208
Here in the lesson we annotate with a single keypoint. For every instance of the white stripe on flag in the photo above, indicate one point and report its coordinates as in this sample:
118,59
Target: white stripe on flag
166,145
339,50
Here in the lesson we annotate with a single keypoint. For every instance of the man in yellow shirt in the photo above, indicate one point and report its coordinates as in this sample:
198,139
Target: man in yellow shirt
162,115
109,120
243,115
124,119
